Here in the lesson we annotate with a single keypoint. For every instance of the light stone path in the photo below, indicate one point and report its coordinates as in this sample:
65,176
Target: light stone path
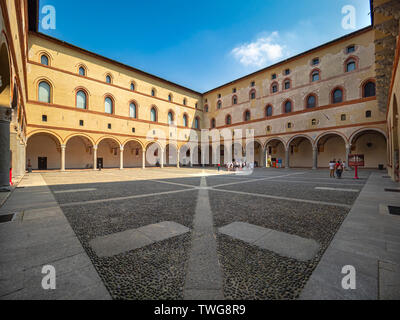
204,279
337,189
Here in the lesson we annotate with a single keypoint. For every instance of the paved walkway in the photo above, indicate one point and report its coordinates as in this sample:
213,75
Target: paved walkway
40,235
368,240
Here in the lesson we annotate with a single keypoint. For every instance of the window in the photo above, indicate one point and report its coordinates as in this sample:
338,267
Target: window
228,120
108,79
315,61
234,100
44,118
213,123
132,86
269,128
337,96
287,85
153,114
219,105
234,90
368,114
44,93
132,110
153,92
184,102
288,107
109,126
81,99
219,96
247,115
206,108
351,49
289,125
253,83
351,65
170,118
287,72
82,71
268,111
108,105
252,94
273,77
311,102
44,60
343,117
185,120
133,131
314,122
196,105
81,123
274,88
369,89
315,76
170,98
197,123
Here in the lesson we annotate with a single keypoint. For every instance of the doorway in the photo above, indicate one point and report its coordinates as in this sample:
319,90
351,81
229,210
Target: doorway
42,163
100,163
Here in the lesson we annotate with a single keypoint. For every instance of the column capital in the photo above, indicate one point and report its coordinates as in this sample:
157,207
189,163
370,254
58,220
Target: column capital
95,147
63,146
121,148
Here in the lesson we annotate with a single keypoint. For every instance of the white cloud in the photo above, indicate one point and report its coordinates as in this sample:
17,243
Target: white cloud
260,52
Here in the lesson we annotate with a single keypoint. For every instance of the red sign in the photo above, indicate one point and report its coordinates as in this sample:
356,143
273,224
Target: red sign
356,160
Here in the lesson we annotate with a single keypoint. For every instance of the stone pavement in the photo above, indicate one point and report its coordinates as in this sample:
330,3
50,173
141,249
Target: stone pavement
40,235
368,240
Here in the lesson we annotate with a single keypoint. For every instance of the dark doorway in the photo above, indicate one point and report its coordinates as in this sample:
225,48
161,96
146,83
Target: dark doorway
42,163
99,163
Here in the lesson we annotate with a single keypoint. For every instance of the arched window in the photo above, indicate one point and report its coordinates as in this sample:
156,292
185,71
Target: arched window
153,92
185,120
153,114
213,125
170,118
44,60
337,96
132,86
274,88
268,111
44,93
315,76
170,97
286,84
247,115
81,99
108,78
108,105
369,89
206,108
197,123
288,106
219,105
82,71
234,100
311,101
228,119
132,110
351,65
252,94
184,102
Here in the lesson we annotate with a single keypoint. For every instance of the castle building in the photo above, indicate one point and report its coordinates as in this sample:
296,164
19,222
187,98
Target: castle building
63,107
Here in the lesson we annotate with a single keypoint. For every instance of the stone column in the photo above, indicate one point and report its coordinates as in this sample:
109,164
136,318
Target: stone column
348,152
315,158
95,157
5,119
121,158
287,166
178,158
161,157
63,147
143,159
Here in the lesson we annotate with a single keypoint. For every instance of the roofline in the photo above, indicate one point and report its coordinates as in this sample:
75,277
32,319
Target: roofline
350,35
120,64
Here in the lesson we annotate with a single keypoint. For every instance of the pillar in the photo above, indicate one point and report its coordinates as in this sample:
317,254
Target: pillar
348,152
143,159
121,158
161,157
315,158
178,158
63,147
287,166
5,119
95,157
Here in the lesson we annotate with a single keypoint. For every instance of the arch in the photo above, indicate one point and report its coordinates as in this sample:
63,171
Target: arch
275,83
153,155
171,117
335,133
272,139
86,92
234,99
300,153
41,53
275,152
45,131
284,84
44,91
360,131
133,153
228,119
206,108
285,106
79,152
333,91
363,88
134,102
154,113
78,135
109,152
153,92
253,94
108,76
43,150
5,73
313,72
132,140
300,136
246,115
269,110
170,97
107,99
355,59
171,156
185,120
82,69
307,102
258,153
132,85
108,137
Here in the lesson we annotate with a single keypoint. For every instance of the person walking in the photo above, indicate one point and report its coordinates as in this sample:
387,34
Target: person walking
339,169
332,168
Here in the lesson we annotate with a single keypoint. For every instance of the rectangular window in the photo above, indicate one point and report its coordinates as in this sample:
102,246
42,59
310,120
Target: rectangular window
287,71
44,118
315,61
273,76
253,83
109,126
351,49
343,117
133,130
81,123
234,90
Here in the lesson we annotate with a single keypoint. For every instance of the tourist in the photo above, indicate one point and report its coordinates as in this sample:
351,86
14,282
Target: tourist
339,169
332,168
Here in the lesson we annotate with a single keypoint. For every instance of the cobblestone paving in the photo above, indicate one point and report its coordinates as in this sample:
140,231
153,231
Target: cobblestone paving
158,271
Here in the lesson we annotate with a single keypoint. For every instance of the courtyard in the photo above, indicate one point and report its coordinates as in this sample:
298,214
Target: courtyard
188,233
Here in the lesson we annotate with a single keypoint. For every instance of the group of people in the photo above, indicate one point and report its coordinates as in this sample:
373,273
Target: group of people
336,168
238,165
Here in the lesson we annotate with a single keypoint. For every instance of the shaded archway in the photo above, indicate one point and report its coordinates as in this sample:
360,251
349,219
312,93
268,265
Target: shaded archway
396,140
171,155
43,151
300,152
275,152
133,154
330,146
108,153
5,92
371,143
79,153
255,154
154,155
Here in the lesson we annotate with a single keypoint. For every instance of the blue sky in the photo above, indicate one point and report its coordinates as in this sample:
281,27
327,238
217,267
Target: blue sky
201,44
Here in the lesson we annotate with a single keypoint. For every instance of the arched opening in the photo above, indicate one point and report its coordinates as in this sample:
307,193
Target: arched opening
255,154
108,154
171,155
372,144
79,153
133,154
275,153
331,146
154,155
396,142
300,152
5,92
43,152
